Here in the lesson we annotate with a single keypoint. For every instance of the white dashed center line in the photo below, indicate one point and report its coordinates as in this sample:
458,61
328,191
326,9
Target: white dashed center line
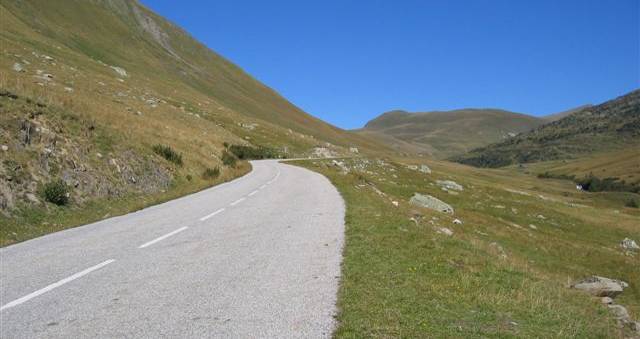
163,237
237,201
212,214
56,285
252,193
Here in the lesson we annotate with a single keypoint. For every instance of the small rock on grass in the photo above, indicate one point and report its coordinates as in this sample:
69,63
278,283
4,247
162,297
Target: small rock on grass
600,286
620,312
626,243
445,231
606,300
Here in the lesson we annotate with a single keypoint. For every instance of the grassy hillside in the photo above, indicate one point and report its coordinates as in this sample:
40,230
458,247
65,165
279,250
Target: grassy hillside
560,115
106,96
123,33
502,273
613,125
444,134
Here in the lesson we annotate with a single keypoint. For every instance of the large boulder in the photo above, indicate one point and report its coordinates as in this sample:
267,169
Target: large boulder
601,287
430,202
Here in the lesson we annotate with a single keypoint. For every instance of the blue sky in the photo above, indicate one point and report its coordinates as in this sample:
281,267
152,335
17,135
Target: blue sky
348,61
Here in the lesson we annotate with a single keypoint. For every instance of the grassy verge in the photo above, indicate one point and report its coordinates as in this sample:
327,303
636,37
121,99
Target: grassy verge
503,273
31,222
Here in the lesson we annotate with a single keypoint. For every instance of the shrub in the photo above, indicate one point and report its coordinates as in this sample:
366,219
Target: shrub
56,192
631,203
228,159
595,184
211,173
168,153
189,177
248,152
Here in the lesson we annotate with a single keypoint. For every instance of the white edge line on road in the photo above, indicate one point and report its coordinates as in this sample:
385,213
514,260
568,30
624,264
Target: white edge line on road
253,193
163,237
56,285
263,186
237,201
212,214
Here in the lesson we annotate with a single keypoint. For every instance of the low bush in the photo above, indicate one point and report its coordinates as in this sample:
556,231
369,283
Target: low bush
631,203
228,159
56,192
168,153
253,153
595,184
547,175
211,173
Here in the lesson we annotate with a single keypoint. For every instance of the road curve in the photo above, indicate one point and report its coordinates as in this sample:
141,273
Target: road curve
258,257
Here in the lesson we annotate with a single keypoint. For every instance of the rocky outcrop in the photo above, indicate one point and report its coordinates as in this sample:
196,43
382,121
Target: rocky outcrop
608,289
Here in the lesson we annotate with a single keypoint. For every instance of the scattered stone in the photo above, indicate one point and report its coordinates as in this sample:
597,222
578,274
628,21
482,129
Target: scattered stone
445,231
354,150
425,169
620,313
68,89
498,249
634,326
99,155
430,202
121,71
450,185
627,244
606,300
533,227
32,198
18,67
344,169
395,203
540,216
4,148
413,167
457,222
600,286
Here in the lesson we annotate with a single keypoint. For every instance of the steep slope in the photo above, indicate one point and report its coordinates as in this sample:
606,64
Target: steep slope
125,34
560,115
452,132
106,107
613,125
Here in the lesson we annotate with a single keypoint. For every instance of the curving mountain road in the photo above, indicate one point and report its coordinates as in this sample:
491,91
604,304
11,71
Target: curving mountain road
258,257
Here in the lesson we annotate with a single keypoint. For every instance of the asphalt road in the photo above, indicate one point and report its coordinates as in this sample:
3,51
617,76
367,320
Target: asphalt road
258,257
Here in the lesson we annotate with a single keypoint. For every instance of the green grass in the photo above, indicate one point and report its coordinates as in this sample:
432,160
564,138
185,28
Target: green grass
402,279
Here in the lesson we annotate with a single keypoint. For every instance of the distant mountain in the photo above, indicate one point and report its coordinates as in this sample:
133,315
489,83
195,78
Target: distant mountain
560,115
446,133
613,125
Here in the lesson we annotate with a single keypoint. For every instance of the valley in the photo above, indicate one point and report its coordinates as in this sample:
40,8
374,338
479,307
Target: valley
125,139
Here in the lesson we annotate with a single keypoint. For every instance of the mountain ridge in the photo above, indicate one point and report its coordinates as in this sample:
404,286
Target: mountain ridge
611,125
444,133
